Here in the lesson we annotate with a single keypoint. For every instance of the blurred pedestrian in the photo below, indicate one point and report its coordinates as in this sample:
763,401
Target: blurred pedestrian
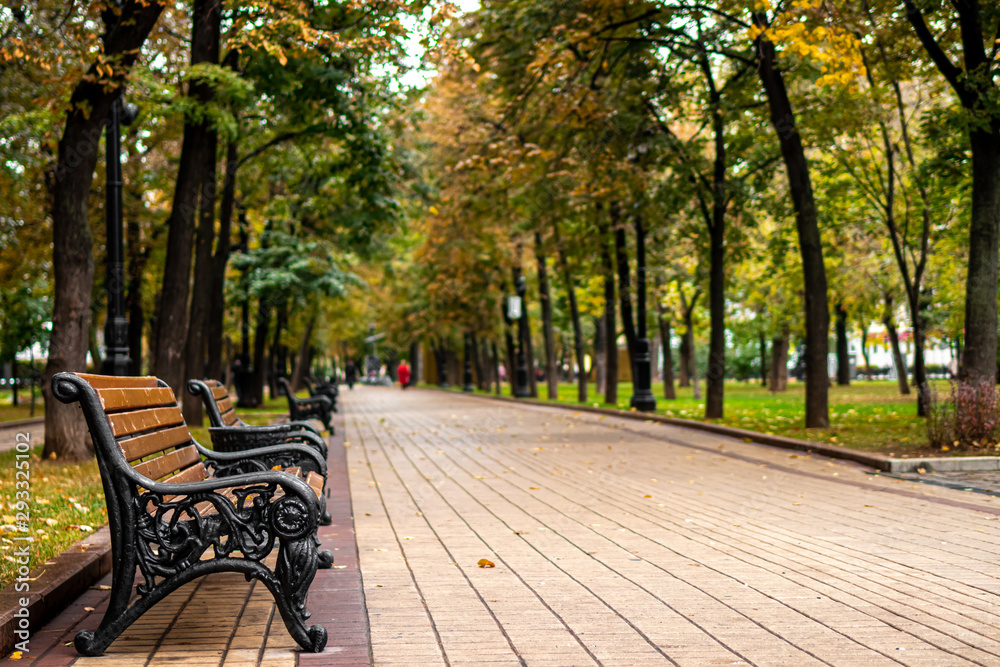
403,373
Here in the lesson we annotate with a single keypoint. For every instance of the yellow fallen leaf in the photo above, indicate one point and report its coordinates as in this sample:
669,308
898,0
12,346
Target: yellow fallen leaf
16,655
647,496
339,567
485,563
278,467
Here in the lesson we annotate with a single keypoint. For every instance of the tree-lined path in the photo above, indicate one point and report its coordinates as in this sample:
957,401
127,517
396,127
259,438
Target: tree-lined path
626,543
613,542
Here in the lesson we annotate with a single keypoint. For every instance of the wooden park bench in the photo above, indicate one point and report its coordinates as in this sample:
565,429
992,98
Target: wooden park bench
314,407
179,511
229,432
321,388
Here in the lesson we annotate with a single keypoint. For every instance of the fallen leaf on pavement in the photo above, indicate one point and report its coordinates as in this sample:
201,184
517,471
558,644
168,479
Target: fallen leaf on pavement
485,563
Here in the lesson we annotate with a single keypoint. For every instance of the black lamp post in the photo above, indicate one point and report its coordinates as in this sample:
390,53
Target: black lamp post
642,396
521,388
116,360
468,386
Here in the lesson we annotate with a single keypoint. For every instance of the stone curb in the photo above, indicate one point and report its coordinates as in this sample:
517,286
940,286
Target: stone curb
880,462
54,585
17,423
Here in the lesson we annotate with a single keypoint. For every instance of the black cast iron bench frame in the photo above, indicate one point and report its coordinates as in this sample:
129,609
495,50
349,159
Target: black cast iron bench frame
320,388
170,500
230,433
318,407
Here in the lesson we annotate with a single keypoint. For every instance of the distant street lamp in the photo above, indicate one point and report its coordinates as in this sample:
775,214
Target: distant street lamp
116,360
521,388
642,393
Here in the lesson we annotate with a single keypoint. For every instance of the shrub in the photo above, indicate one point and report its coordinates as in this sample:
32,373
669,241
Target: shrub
969,418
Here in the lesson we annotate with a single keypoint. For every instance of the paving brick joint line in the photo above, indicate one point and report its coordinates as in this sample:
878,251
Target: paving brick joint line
613,542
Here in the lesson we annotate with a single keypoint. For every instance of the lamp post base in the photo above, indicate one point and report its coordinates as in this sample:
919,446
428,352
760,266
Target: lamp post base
644,402
642,396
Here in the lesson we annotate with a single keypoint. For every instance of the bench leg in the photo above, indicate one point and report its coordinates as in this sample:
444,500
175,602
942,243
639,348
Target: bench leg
297,563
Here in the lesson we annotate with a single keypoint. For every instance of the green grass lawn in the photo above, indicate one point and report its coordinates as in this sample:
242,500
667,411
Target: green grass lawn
10,412
867,415
66,503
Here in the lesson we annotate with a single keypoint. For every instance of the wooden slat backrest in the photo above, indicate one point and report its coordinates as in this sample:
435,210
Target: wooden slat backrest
114,400
106,381
149,428
166,464
229,417
149,443
127,423
219,391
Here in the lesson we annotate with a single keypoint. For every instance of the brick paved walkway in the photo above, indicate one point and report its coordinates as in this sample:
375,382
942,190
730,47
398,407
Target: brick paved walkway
630,543
614,542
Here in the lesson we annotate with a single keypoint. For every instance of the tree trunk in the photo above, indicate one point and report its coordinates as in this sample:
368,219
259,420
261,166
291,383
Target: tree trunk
668,356
763,359
217,310
137,260
889,321
498,388
260,350
190,195
843,352
817,313
684,366
692,358
689,360
278,368
72,244
715,373
610,330
13,381
779,361
897,356
545,295
302,362
600,356
201,297
574,312
979,353
511,357
864,346
624,284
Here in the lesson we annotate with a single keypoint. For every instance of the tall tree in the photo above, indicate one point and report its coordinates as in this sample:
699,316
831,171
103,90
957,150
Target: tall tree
817,313
975,84
194,192
125,30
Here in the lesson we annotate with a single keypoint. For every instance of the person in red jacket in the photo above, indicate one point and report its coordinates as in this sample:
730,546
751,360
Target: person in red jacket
403,373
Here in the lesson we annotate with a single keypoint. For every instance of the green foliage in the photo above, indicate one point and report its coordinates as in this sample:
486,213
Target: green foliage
23,312
288,267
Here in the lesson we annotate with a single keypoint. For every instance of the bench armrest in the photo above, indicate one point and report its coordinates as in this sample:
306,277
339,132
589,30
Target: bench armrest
227,464
287,427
